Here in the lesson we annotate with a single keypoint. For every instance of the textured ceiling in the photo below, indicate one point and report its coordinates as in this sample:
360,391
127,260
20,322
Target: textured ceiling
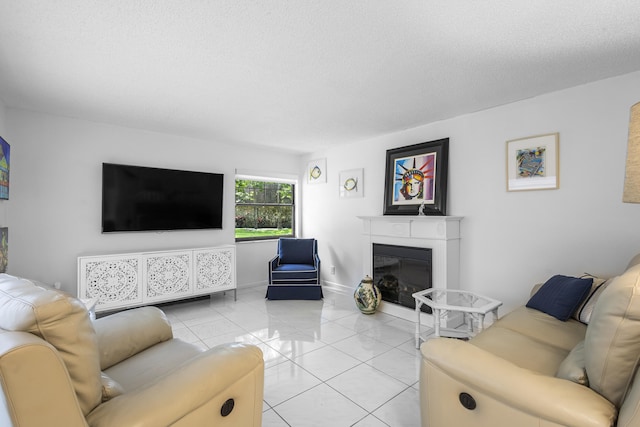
301,75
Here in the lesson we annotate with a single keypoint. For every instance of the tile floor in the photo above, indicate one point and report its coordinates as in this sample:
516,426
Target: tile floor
326,364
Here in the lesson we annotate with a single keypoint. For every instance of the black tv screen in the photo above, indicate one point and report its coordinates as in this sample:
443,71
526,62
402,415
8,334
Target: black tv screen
137,198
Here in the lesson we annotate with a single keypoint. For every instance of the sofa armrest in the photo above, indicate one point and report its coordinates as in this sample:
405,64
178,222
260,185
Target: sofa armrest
194,393
548,398
124,334
33,375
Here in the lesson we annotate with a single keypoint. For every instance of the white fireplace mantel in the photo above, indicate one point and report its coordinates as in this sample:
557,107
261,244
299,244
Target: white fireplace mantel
439,233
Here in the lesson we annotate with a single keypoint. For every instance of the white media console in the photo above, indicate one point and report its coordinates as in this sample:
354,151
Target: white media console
134,279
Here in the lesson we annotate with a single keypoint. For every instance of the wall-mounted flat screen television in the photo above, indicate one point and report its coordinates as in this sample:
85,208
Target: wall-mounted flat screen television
137,198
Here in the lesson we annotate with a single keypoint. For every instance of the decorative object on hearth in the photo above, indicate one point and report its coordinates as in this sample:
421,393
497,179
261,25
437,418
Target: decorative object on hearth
367,296
632,174
417,175
532,163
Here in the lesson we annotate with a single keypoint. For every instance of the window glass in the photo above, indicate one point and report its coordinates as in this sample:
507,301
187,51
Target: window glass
264,210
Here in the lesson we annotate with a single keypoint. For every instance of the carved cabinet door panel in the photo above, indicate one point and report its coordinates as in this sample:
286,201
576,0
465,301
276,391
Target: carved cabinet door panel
167,275
214,270
115,280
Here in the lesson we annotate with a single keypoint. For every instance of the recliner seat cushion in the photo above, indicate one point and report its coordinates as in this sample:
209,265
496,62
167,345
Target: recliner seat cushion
62,321
612,342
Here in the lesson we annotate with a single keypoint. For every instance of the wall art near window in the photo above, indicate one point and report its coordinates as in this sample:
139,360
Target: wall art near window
351,183
4,249
532,163
317,171
416,179
4,168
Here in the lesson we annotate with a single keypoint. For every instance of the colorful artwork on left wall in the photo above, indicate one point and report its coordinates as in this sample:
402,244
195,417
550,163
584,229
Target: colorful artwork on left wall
4,249
5,157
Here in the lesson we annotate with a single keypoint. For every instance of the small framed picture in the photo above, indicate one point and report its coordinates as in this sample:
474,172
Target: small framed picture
317,171
532,163
351,183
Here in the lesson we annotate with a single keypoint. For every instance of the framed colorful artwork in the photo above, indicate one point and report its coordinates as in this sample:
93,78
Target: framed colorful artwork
416,179
317,171
532,163
4,249
5,151
351,183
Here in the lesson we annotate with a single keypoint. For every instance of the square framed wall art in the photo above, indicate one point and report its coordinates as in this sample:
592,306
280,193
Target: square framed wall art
317,171
351,183
533,163
416,179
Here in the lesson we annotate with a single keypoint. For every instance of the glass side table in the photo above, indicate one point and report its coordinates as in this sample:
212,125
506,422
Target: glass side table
473,307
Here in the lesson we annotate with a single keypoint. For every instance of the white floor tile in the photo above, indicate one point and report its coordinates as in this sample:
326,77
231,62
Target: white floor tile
271,419
286,380
295,345
399,365
370,421
367,386
326,362
271,357
320,407
362,347
331,332
389,334
212,328
403,410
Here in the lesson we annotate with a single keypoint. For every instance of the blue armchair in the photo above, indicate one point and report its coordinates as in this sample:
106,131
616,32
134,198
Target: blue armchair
294,273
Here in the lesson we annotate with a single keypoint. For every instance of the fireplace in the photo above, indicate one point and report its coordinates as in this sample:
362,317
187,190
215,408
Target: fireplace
399,271
439,234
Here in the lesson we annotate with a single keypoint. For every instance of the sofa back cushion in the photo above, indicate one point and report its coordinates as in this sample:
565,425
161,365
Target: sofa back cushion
62,321
612,341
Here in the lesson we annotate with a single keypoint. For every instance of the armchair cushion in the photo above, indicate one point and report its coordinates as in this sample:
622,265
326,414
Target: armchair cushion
560,296
296,251
63,322
124,334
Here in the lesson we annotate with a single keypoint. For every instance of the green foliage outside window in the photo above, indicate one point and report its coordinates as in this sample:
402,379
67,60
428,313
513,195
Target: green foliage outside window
264,210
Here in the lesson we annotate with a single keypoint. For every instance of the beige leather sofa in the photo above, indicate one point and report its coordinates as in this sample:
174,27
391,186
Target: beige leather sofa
531,369
58,368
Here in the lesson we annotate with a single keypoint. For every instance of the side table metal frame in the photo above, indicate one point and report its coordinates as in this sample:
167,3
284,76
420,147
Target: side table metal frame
440,310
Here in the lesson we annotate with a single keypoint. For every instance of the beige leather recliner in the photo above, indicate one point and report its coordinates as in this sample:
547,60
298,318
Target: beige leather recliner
531,369
58,368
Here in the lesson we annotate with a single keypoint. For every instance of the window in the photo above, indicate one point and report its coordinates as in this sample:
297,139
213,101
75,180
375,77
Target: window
264,209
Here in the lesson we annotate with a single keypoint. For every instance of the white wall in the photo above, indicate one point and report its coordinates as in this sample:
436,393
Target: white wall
56,193
510,240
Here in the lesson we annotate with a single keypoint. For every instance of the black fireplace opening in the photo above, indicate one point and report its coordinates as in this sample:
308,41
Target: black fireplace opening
399,271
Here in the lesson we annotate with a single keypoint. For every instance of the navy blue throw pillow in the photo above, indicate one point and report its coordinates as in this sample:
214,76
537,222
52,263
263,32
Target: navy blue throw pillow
560,296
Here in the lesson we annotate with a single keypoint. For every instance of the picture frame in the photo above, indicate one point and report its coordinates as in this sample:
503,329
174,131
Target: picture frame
533,163
4,249
317,171
351,184
416,179
5,162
